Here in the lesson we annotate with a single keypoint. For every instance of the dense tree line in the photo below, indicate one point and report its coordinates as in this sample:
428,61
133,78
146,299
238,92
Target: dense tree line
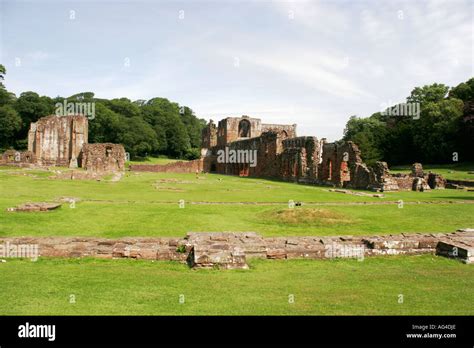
153,127
440,133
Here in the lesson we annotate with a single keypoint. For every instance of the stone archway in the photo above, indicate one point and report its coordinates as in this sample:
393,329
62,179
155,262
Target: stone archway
244,129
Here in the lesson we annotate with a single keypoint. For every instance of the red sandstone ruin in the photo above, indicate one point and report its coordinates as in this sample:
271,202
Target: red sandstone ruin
62,141
281,154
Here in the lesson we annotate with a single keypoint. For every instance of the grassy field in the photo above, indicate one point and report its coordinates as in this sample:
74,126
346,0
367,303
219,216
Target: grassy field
146,204
154,160
429,285
456,171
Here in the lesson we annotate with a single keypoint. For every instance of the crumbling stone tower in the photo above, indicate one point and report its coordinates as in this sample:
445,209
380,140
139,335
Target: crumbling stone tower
57,140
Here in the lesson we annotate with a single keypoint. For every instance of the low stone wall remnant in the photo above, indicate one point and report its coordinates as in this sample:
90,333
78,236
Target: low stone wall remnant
230,250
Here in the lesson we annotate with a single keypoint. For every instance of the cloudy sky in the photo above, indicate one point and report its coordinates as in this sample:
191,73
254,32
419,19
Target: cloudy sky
313,63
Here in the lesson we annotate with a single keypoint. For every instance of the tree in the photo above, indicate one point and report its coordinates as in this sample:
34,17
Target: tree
438,129
137,136
194,126
164,117
429,93
463,91
124,106
432,138
6,98
105,125
3,71
10,125
30,106
368,134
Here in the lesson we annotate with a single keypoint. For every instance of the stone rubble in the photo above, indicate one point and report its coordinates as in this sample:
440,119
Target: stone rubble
34,207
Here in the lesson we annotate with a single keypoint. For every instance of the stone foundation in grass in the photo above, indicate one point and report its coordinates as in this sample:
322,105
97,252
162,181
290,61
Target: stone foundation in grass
230,250
34,207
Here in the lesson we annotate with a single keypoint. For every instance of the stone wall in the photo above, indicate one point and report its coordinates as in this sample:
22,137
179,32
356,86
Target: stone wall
234,128
209,135
418,180
266,146
173,167
231,250
288,131
283,155
467,183
18,158
381,178
300,159
338,163
58,140
104,157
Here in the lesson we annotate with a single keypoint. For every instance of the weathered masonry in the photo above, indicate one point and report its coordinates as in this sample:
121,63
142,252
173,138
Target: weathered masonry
63,141
230,250
58,141
283,155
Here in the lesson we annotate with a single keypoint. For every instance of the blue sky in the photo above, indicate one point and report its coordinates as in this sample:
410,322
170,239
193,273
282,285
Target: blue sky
313,63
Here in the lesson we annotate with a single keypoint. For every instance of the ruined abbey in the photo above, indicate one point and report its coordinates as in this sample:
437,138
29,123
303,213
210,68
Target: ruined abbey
62,141
282,155
256,149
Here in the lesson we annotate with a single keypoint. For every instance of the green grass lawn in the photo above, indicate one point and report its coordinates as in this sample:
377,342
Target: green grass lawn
145,219
154,160
456,171
146,204
430,285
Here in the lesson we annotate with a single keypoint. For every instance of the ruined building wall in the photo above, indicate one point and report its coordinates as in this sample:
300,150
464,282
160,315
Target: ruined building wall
58,140
341,164
173,167
18,158
288,131
234,128
280,154
106,157
209,136
266,147
299,159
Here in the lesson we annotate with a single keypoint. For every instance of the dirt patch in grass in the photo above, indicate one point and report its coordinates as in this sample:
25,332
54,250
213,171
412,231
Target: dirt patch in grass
310,216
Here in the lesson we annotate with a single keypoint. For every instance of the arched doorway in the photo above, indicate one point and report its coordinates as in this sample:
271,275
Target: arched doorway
244,129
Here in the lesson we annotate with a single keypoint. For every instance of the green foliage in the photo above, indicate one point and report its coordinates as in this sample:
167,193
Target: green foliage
3,71
368,134
193,154
438,133
166,120
10,120
429,93
193,126
438,129
181,249
137,136
31,107
124,107
463,91
10,124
